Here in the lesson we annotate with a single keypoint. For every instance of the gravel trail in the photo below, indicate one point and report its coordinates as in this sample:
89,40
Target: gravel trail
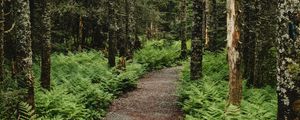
154,99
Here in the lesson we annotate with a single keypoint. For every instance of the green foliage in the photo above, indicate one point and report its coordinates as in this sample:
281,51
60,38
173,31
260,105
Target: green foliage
58,102
26,112
158,54
206,98
83,86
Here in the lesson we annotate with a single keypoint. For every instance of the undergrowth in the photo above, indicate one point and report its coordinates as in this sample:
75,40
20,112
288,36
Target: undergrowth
205,99
158,54
82,84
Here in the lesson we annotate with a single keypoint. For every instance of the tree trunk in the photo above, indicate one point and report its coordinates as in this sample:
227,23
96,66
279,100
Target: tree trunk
131,26
136,42
81,37
197,40
183,28
1,39
127,31
211,20
46,43
288,75
42,33
23,49
112,34
249,42
233,44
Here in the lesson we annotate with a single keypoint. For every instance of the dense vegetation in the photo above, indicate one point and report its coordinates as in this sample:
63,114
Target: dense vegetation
69,59
206,99
83,86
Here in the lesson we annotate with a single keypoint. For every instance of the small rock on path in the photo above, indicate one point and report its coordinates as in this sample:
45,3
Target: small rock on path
154,99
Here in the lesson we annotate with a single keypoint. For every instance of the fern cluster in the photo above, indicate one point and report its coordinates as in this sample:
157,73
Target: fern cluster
206,99
83,86
158,54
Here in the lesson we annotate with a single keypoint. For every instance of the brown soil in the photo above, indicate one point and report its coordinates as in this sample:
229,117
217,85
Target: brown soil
154,99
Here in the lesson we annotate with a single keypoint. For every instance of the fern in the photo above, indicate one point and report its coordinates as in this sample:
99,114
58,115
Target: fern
26,112
206,99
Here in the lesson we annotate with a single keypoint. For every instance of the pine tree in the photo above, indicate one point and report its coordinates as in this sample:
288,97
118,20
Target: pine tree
211,24
112,33
42,32
22,33
197,40
1,39
183,28
288,61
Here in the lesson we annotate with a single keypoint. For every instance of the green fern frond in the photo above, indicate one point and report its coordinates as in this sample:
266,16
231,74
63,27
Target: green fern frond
26,112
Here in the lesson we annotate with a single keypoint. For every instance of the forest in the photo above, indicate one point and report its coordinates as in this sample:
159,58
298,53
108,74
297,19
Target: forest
149,60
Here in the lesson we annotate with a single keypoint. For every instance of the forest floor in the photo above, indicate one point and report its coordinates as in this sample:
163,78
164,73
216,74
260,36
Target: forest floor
154,99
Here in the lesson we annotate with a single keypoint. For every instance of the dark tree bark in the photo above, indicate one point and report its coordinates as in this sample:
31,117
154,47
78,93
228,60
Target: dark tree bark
211,25
42,33
136,43
1,39
22,33
197,40
234,51
251,28
112,34
130,27
127,27
183,28
288,75
80,34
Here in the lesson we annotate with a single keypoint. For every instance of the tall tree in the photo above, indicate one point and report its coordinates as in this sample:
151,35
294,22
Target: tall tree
41,31
22,33
234,51
288,66
1,39
183,28
127,27
197,40
211,24
251,28
112,33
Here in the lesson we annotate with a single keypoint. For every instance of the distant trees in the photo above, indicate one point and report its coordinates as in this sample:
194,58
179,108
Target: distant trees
234,22
258,43
197,40
288,79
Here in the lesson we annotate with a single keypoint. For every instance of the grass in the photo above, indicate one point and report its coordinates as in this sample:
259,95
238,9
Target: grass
205,99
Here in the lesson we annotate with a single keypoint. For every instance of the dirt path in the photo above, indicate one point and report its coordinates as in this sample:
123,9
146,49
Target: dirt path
154,99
